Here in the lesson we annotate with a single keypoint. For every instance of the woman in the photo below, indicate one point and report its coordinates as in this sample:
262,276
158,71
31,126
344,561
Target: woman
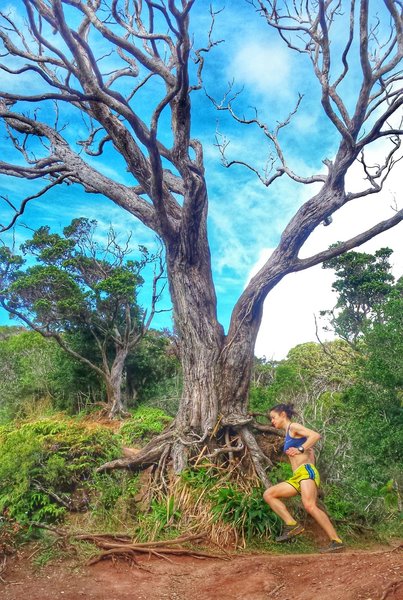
305,480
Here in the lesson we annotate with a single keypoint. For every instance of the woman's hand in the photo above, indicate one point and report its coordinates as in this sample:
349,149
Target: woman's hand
292,452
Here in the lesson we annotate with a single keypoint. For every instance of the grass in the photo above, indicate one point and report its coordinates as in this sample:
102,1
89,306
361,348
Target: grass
60,455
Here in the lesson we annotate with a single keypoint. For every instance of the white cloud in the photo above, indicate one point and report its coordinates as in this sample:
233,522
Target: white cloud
264,68
289,310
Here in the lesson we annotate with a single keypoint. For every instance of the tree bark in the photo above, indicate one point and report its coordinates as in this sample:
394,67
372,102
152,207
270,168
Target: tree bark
113,383
216,368
201,337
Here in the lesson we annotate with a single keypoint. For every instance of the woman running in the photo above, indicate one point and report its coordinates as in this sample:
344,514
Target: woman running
305,480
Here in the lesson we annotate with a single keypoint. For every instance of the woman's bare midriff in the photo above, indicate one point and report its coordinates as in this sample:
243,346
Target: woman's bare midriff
302,459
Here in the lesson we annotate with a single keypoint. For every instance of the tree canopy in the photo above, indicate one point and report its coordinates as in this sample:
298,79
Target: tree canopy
363,283
83,295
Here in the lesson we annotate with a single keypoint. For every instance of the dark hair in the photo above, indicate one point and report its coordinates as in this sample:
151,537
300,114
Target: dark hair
287,408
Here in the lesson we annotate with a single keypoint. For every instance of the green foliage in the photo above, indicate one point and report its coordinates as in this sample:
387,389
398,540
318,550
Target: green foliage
144,424
48,553
81,294
260,398
354,398
361,455
112,500
309,371
280,472
363,284
162,519
75,282
377,429
201,477
340,505
152,371
46,463
384,345
246,511
36,376
26,372
237,504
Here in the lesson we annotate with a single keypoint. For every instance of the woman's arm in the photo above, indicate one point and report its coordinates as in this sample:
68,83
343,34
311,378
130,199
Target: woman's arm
311,438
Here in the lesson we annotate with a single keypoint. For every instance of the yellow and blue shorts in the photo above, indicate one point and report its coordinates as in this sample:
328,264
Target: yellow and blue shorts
306,471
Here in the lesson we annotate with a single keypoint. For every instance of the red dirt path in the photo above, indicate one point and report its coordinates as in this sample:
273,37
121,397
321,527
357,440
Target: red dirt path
351,575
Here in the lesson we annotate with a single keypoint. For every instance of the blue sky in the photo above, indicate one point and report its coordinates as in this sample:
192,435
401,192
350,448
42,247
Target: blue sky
245,218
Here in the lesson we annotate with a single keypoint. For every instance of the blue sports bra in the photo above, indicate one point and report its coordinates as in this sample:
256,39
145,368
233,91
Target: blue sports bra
291,442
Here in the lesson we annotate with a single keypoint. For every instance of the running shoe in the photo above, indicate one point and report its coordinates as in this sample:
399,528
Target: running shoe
289,532
334,546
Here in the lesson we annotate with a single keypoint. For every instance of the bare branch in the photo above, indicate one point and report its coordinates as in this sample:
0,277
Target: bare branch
47,333
267,179
199,60
378,174
343,247
19,211
89,177
156,294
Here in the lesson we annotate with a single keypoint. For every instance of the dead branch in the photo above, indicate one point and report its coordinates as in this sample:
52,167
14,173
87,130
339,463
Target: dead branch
266,429
391,588
58,499
3,568
267,177
123,546
354,242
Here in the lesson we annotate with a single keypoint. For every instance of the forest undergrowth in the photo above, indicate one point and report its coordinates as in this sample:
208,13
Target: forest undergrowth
52,494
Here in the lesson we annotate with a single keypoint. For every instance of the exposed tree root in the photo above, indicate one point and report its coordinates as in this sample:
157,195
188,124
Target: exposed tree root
113,546
391,588
3,568
147,456
224,445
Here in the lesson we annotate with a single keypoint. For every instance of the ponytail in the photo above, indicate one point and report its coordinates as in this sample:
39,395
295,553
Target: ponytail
287,408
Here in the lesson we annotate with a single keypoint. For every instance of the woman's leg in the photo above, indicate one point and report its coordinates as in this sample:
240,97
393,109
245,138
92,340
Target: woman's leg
309,494
272,496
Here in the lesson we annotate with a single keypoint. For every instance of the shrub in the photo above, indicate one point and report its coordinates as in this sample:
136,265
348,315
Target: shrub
45,464
144,424
246,510
239,504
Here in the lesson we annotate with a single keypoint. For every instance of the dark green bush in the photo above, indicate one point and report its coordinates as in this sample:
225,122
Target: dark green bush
247,511
45,465
144,424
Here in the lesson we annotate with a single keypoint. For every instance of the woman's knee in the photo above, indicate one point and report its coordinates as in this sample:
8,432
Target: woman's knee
269,495
310,506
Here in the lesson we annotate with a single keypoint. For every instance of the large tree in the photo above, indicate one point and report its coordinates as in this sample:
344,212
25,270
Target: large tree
150,40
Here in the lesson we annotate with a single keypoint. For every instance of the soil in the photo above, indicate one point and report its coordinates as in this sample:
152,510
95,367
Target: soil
351,575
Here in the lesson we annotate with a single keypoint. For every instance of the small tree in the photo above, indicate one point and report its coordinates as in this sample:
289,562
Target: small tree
76,287
363,283
384,344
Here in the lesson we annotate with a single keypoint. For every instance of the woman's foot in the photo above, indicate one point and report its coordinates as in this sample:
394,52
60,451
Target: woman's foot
289,532
334,546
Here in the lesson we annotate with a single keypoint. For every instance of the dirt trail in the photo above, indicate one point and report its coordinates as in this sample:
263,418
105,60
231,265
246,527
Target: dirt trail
351,575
